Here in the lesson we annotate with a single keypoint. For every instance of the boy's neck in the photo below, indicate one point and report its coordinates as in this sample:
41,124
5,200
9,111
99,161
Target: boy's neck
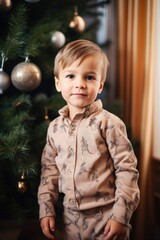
72,114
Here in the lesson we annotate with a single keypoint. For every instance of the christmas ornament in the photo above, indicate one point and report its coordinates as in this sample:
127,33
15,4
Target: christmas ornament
78,22
40,98
4,81
26,76
22,184
46,117
4,77
58,39
5,4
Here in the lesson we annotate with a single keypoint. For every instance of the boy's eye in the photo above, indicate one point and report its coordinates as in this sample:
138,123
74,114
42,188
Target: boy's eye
90,77
70,76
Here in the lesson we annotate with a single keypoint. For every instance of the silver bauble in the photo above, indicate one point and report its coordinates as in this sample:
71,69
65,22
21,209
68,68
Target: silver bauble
26,76
58,39
4,81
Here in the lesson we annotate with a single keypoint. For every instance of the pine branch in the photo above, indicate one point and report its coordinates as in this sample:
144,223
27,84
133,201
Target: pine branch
22,102
15,112
40,36
14,145
31,167
14,42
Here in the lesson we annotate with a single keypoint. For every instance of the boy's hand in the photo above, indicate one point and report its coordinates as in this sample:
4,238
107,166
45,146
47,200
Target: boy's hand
48,226
115,230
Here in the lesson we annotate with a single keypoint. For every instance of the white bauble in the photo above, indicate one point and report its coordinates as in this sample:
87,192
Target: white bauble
58,39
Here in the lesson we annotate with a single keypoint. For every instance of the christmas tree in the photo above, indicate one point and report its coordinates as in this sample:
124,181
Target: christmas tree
32,32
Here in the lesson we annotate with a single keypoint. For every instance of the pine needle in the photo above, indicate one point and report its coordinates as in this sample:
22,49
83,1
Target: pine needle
14,145
16,34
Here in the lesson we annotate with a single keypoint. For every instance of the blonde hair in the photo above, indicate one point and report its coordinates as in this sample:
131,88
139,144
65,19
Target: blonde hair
79,49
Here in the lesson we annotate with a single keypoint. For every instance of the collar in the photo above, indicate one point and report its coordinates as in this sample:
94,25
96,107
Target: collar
94,107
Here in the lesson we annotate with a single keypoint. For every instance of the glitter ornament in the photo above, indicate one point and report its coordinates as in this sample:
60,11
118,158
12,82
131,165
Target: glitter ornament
58,39
4,81
26,76
22,184
78,22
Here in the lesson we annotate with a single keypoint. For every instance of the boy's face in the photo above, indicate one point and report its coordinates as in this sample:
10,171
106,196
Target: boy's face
80,83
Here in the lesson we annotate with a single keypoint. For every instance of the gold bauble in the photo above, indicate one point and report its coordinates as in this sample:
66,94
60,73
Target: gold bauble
78,24
26,76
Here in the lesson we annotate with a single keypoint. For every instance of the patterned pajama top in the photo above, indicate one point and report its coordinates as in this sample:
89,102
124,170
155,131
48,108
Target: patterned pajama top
91,160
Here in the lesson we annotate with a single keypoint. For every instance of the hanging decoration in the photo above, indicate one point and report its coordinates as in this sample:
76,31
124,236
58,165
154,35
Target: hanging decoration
46,117
26,76
5,4
78,23
4,77
22,184
58,39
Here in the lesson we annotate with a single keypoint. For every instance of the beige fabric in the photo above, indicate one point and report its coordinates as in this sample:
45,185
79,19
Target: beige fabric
92,222
136,76
91,161
131,52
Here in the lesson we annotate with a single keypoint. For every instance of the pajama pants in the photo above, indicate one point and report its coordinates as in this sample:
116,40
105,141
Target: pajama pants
86,224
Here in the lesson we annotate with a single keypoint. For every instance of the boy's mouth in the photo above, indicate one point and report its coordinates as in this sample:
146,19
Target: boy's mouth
79,94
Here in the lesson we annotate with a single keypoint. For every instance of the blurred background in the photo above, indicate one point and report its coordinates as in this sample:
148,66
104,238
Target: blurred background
31,33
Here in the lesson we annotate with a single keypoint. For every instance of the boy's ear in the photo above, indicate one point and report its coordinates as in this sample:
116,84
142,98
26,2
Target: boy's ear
101,87
57,84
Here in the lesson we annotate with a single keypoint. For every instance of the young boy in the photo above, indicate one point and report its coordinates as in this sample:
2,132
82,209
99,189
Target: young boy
87,156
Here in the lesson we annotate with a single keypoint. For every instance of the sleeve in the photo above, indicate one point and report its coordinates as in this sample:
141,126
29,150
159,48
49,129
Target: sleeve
127,194
48,188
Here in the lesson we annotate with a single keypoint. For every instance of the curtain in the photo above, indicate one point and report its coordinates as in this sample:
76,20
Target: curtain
156,135
136,61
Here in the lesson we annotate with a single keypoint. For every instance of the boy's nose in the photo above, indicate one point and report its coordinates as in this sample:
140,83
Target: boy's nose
80,83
